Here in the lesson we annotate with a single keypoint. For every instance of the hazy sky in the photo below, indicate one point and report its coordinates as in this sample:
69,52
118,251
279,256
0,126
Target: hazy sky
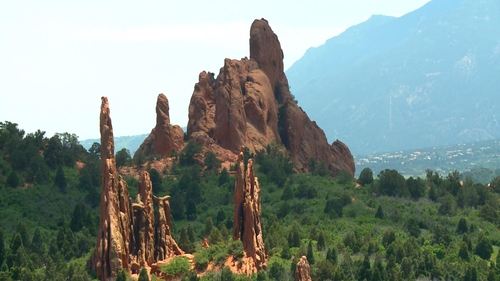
57,58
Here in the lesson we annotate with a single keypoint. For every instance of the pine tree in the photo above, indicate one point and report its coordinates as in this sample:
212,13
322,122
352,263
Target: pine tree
310,253
37,242
463,253
143,275
462,226
471,274
121,276
365,269
60,180
208,227
380,213
484,248
13,179
226,275
294,237
321,242
379,273
331,255
184,242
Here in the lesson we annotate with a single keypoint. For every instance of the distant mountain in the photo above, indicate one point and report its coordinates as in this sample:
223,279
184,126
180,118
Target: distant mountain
131,143
428,78
478,160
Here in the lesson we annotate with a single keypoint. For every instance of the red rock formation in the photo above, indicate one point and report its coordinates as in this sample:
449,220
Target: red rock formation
127,238
303,270
146,192
113,241
250,104
166,246
139,247
247,210
164,138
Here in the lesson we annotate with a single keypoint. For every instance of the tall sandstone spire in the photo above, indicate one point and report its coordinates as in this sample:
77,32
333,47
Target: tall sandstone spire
247,212
129,237
165,138
115,225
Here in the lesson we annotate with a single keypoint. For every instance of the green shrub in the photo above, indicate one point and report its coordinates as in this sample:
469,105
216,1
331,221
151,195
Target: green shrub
178,266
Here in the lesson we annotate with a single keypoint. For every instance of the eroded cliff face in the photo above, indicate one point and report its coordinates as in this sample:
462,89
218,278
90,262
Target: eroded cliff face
126,236
249,104
165,138
247,218
303,270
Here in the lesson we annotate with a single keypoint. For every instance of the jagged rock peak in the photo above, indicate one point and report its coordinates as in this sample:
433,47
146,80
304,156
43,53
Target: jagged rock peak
146,192
247,216
164,138
303,270
129,237
162,111
106,129
115,220
265,49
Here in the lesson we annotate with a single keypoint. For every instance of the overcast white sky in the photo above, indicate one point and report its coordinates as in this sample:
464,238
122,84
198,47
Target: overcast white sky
58,57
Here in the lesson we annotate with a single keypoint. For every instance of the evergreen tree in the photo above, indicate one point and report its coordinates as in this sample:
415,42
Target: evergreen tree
143,275
378,273
226,275
211,162
285,253
331,255
462,226
294,237
191,213
208,227
123,158
484,248
184,242
15,243
310,253
365,270
121,276
60,180
221,217
380,213
321,242
37,242
365,177
407,268
470,274
13,179
463,253
23,233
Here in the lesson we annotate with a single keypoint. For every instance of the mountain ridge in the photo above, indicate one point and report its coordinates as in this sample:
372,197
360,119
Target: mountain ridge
395,81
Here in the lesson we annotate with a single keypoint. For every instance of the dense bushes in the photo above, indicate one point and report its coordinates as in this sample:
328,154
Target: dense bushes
391,228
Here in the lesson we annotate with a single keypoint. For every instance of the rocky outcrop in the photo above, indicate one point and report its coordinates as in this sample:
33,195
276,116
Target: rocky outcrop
115,225
247,211
146,193
129,237
166,246
164,138
249,104
303,270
